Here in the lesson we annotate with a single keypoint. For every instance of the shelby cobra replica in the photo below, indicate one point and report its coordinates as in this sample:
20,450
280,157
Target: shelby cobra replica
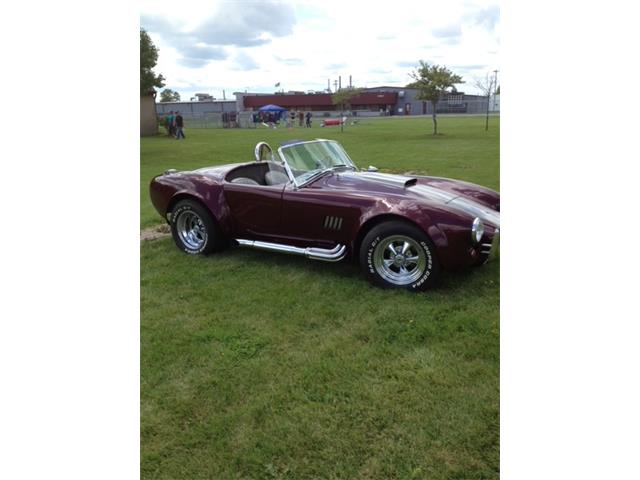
310,199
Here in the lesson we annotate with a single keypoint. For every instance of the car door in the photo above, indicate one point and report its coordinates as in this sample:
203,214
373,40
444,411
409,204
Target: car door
316,216
255,209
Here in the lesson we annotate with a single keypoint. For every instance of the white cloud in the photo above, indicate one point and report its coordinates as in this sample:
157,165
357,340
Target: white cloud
244,62
253,44
447,31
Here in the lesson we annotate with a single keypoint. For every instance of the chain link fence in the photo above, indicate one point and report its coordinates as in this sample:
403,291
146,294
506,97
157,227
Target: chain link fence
216,120
247,120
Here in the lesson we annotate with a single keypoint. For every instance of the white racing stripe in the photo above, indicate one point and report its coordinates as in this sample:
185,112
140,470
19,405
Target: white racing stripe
477,210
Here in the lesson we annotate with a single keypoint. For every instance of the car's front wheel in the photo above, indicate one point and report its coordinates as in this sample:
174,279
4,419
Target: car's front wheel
399,255
194,229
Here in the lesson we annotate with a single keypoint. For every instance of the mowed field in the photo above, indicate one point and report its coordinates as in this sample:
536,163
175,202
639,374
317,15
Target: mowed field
264,366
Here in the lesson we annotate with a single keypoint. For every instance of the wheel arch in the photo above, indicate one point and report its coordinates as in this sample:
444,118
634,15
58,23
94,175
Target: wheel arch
434,234
185,196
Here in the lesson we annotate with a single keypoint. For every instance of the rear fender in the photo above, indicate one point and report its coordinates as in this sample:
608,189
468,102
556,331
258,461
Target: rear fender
166,191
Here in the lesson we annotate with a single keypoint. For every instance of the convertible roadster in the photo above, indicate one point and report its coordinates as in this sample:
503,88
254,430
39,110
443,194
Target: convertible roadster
309,198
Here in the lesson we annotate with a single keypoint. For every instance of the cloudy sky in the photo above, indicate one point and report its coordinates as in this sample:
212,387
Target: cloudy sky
251,45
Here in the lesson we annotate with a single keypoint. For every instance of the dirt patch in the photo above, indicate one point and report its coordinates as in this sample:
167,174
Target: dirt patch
153,233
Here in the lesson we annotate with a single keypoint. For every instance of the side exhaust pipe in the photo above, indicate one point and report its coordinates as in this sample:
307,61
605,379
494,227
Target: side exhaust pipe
326,255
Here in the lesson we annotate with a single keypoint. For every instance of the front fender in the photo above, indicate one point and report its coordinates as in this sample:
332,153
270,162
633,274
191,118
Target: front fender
449,231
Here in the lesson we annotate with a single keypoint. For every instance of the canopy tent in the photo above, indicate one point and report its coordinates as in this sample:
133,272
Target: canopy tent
271,113
272,108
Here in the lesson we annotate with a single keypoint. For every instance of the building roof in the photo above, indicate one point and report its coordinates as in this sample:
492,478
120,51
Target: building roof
183,102
318,99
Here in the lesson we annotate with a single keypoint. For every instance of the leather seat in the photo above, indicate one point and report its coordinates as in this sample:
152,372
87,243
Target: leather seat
244,181
273,177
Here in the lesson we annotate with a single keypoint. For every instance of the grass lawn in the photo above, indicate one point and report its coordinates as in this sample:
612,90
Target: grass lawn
259,365
395,144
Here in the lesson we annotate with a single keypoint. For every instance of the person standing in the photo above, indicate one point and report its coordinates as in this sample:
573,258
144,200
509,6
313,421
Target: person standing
308,119
172,124
167,123
292,119
300,118
179,125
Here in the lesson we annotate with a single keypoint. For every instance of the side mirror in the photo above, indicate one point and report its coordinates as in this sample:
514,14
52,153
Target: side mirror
372,169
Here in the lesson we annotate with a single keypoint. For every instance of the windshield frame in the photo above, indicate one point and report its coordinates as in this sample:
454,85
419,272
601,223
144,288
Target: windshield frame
319,173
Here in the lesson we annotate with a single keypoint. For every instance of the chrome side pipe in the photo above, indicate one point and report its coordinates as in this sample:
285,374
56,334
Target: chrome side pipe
326,255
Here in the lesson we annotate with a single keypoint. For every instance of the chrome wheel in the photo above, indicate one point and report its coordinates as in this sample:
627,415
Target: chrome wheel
399,259
191,230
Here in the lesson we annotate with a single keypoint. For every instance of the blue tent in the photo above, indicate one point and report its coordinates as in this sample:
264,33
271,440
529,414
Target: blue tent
272,108
273,111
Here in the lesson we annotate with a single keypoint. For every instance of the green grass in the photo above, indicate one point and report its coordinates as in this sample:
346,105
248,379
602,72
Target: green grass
259,365
464,150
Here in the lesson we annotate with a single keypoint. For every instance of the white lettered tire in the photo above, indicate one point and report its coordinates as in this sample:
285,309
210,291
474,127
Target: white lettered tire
397,254
194,229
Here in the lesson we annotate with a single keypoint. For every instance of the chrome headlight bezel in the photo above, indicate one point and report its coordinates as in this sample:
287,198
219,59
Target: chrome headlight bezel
477,230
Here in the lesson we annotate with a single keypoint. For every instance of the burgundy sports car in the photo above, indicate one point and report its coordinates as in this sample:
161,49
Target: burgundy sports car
310,199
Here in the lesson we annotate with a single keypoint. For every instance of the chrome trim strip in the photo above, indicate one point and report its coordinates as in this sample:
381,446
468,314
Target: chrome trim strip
327,255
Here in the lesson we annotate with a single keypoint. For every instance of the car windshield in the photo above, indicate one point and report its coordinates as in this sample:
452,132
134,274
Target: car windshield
310,159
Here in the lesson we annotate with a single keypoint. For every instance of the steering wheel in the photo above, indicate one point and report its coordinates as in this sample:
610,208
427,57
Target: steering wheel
261,151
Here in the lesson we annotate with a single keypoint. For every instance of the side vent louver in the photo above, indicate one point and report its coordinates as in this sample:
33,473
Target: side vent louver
333,223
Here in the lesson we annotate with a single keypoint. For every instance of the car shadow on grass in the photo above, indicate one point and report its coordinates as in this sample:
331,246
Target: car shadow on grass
471,281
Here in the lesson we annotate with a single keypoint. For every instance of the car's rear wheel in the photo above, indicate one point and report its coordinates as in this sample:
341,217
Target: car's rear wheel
194,229
399,255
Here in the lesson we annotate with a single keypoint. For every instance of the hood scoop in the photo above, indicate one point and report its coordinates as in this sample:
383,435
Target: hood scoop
410,182
398,180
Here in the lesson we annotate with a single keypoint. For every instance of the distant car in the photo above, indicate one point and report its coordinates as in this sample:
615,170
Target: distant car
332,122
310,199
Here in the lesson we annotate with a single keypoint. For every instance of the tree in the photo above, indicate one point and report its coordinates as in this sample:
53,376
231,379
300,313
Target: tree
343,98
486,86
148,60
168,95
433,81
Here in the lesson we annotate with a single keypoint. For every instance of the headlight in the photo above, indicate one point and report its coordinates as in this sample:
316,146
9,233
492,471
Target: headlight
477,231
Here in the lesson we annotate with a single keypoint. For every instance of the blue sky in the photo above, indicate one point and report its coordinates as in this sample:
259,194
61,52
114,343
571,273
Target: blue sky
253,44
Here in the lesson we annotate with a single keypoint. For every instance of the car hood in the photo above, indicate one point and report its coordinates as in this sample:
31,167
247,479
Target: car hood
472,199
